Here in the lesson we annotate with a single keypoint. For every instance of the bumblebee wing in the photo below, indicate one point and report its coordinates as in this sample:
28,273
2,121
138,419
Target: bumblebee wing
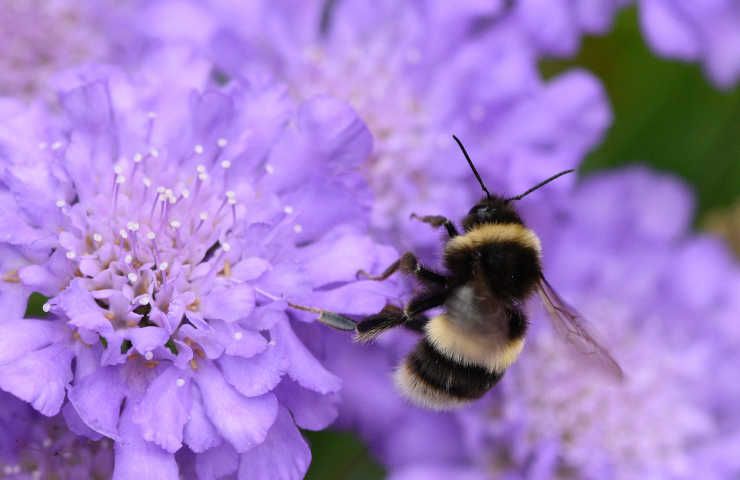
572,327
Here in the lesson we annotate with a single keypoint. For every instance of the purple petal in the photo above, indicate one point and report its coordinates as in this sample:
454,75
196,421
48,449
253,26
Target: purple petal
138,459
147,339
19,337
284,455
40,378
200,434
81,308
229,304
336,259
438,472
217,462
240,342
205,337
76,425
257,375
97,399
163,412
249,269
310,410
242,421
667,31
303,366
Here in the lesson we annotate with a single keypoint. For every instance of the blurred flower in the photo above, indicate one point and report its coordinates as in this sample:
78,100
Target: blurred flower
416,72
706,32
663,300
41,37
164,232
727,224
35,447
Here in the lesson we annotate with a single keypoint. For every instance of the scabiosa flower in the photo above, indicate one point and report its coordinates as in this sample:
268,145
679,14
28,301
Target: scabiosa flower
664,301
168,237
707,32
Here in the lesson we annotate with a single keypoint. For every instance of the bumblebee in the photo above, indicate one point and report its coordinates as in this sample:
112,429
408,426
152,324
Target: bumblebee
492,268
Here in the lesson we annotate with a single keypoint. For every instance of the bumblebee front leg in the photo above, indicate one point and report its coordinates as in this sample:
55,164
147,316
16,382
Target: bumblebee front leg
438,221
409,264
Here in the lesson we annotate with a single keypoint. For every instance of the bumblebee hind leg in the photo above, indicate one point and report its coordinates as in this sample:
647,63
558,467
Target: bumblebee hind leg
391,316
438,221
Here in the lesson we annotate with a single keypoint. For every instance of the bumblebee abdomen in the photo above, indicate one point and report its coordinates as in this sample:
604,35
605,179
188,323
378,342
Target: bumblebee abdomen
433,380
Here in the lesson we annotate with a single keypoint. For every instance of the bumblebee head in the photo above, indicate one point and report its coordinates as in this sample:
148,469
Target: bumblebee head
491,209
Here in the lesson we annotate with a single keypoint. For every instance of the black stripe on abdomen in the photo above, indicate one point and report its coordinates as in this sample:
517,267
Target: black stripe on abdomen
441,373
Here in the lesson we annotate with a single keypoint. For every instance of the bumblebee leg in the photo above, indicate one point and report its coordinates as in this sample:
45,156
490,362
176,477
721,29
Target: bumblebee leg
391,316
424,301
409,264
438,221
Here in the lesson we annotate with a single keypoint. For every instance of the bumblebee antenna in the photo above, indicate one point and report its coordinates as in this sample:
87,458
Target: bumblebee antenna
472,167
539,185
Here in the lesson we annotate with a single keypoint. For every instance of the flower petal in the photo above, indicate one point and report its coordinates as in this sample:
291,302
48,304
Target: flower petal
147,339
310,410
40,378
200,434
19,337
303,366
217,462
138,459
284,455
81,308
76,425
97,399
242,421
257,375
163,411
228,304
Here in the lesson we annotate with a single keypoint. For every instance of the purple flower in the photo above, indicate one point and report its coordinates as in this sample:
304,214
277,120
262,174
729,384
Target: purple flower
706,31
166,230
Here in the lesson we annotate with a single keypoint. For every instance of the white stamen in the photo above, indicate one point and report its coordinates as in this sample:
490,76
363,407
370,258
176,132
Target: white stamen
163,266
175,224
120,179
71,255
160,189
225,164
202,177
222,142
97,237
180,382
203,216
147,182
46,307
60,203
56,145
198,149
200,169
132,277
297,228
132,226
123,233
151,115
117,169
144,300
226,247
148,355
238,335
154,152
185,193
288,209
151,236
128,259
269,169
138,157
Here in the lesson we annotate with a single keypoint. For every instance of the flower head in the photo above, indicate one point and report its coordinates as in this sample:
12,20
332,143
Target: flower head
168,235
